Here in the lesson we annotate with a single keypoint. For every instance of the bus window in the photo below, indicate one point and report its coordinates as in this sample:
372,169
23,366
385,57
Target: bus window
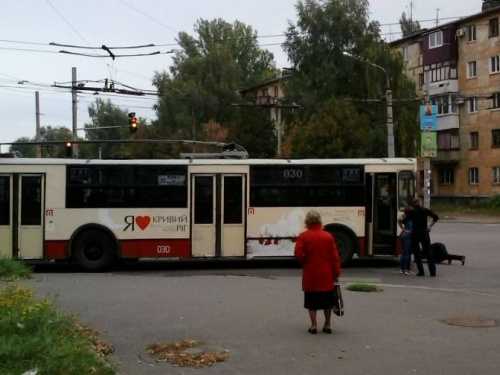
233,200
406,188
4,200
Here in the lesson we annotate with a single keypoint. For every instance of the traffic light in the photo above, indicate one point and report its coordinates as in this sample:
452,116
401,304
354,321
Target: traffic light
69,149
132,122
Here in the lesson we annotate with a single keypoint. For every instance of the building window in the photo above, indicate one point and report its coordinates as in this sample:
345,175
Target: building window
448,139
473,176
436,39
446,104
473,140
471,69
495,100
446,176
421,81
495,175
471,33
493,29
472,105
495,138
276,91
495,64
405,51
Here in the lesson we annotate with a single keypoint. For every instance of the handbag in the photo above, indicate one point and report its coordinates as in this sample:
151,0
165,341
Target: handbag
338,302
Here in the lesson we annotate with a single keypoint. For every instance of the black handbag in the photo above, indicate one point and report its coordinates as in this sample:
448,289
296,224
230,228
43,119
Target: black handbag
338,305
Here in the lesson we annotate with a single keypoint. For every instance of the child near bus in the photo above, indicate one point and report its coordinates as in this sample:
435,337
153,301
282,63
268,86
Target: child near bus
406,228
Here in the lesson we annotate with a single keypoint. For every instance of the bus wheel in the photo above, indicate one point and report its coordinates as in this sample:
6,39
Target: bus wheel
345,246
439,252
94,250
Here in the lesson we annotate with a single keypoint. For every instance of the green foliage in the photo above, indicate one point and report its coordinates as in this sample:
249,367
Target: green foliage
11,270
408,26
36,335
335,131
205,78
47,134
114,123
253,129
362,287
494,201
316,46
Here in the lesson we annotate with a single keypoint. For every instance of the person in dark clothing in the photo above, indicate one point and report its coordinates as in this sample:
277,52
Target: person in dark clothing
420,236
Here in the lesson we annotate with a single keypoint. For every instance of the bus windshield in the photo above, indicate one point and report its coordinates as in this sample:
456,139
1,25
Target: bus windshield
406,188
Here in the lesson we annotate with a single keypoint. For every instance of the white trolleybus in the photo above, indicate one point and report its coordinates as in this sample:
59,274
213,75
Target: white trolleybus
95,212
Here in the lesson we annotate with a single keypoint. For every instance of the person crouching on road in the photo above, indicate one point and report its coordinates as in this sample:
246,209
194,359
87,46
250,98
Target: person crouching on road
316,250
420,236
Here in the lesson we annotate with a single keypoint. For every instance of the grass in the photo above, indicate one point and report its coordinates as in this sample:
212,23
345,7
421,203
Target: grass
11,270
363,287
488,207
35,335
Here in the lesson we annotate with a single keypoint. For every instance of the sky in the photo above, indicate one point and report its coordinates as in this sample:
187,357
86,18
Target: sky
30,64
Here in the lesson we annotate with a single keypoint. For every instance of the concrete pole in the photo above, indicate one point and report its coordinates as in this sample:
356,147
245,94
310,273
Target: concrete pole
390,125
74,107
38,135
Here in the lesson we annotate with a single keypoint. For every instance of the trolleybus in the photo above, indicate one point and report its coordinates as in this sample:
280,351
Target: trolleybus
95,212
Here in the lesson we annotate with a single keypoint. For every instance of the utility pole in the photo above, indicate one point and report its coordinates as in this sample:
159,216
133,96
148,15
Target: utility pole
388,94
37,116
74,107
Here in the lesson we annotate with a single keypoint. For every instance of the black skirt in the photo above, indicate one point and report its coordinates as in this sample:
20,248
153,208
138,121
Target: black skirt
318,300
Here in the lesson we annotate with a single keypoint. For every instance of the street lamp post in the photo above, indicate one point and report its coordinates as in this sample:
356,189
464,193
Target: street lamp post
388,93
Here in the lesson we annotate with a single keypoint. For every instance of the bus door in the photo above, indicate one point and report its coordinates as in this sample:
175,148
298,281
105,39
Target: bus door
218,215
6,222
385,210
29,206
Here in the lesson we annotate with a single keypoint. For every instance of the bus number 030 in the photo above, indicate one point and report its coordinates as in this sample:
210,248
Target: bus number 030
163,249
293,173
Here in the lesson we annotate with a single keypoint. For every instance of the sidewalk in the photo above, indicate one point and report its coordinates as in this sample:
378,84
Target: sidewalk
472,218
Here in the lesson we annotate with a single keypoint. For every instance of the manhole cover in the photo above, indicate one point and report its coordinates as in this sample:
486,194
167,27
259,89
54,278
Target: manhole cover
469,321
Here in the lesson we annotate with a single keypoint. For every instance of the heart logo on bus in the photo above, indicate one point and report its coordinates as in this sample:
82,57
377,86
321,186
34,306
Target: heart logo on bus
143,221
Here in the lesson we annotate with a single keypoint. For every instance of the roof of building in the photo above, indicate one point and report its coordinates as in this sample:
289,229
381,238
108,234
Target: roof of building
419,33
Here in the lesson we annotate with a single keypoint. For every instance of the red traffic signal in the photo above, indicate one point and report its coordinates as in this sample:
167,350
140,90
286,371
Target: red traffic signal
132,122
69,149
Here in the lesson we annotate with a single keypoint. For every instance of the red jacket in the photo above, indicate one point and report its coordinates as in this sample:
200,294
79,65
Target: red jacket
316,250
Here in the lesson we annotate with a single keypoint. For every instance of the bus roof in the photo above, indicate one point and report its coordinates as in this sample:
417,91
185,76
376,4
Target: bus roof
60,161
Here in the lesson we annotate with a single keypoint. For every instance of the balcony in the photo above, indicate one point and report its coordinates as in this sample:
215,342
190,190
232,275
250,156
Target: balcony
446,157
448,121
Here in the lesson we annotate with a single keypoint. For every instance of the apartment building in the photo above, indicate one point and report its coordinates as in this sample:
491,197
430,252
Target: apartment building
269,95
456,66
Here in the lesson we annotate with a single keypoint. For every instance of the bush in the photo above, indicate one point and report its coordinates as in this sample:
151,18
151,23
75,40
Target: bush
11,270
36,335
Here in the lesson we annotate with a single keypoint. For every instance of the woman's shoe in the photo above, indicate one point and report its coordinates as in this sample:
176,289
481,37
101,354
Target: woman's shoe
327,330
312,331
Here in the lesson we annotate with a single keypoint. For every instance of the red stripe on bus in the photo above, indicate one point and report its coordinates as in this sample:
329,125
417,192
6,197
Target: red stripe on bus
361,246
157,248
56,249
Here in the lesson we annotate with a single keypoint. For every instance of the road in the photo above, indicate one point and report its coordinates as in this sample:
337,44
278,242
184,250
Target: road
256,313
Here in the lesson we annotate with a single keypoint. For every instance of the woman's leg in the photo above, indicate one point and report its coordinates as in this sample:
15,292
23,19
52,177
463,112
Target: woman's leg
312,316
328,317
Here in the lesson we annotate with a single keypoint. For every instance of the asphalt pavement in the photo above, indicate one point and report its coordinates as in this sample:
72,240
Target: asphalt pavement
256,315
449,324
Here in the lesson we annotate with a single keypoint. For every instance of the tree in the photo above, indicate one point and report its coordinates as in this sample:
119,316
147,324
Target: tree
316,45
325,135
58,135
205,77
408,26
109,122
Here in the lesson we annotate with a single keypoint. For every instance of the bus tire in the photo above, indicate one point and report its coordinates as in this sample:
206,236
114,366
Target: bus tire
439,252
345,246
94,250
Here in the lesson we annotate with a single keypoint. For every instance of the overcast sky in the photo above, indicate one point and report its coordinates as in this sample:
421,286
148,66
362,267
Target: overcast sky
28,26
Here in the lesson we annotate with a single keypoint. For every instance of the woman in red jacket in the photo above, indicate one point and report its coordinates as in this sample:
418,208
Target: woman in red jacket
315,249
